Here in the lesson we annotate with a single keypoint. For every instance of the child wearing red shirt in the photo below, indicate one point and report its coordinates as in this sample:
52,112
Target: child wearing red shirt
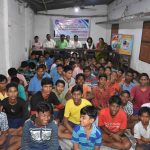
140,94
113,122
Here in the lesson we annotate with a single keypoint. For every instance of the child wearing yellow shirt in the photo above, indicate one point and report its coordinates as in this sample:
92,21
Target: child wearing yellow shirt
72,112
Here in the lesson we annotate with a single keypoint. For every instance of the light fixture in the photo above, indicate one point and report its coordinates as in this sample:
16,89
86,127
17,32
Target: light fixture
76,9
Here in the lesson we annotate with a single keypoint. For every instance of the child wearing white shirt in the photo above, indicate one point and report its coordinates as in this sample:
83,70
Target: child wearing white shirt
142,130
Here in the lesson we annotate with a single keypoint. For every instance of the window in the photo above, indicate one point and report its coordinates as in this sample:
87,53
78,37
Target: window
145,43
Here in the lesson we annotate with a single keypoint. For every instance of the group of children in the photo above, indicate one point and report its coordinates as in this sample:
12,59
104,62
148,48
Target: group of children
86,101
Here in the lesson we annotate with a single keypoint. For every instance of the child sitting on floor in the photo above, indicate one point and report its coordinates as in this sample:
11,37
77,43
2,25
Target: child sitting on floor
40,133
72,112
142,129
9,138
113,122
87,135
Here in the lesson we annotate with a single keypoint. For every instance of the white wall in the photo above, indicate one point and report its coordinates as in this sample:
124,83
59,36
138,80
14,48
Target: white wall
20,31
4,47
115,11
43,24
16,28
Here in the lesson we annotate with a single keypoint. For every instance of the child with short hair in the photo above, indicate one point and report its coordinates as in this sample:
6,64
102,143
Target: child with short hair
14,107
9,138
72,112
142,129
59,91
126,103
101,93
127,106
87,135
40,132
140,94
67,78
113,122
3,83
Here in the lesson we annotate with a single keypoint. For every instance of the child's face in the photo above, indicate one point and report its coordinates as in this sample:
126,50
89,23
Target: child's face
129,77
85,120
12,94
87,73
145,118
46,89
119,73
144,80
93,61
43,118
60,70
33,57
68,74
80,81
113,76
40,72
135,75
41,59
107,71
3,85
60,88
58,62
102,60
101,71
102,81
77,95
124,98
114,108
109,64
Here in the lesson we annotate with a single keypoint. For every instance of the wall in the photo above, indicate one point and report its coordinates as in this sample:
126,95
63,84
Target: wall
4,48
115,11
43,24
16,28
20,31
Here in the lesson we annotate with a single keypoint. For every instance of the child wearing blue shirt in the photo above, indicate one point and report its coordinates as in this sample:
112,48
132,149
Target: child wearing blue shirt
87,136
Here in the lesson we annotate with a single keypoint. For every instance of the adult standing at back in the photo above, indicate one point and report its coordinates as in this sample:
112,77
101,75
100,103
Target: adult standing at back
48,42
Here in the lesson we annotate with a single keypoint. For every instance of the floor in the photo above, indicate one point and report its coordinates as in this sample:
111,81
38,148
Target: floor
67,144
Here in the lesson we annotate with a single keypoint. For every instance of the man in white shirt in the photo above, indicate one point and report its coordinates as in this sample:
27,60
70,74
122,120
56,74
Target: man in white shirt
48,42
76,42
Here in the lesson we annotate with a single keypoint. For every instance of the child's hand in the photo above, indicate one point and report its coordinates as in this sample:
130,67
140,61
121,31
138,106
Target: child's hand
145,139
116,137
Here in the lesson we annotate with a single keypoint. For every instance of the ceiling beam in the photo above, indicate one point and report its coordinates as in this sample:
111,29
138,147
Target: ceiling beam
44,5
71,16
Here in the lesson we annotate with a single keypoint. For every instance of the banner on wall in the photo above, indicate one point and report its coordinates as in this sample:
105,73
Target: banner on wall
122,43
74,26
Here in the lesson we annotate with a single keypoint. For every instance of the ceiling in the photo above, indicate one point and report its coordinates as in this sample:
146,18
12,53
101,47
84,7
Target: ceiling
44,5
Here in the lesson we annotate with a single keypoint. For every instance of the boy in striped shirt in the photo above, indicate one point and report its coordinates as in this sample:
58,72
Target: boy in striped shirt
87,136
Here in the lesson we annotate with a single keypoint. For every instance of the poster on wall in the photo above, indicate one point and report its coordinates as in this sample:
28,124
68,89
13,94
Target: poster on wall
72,26
122,43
